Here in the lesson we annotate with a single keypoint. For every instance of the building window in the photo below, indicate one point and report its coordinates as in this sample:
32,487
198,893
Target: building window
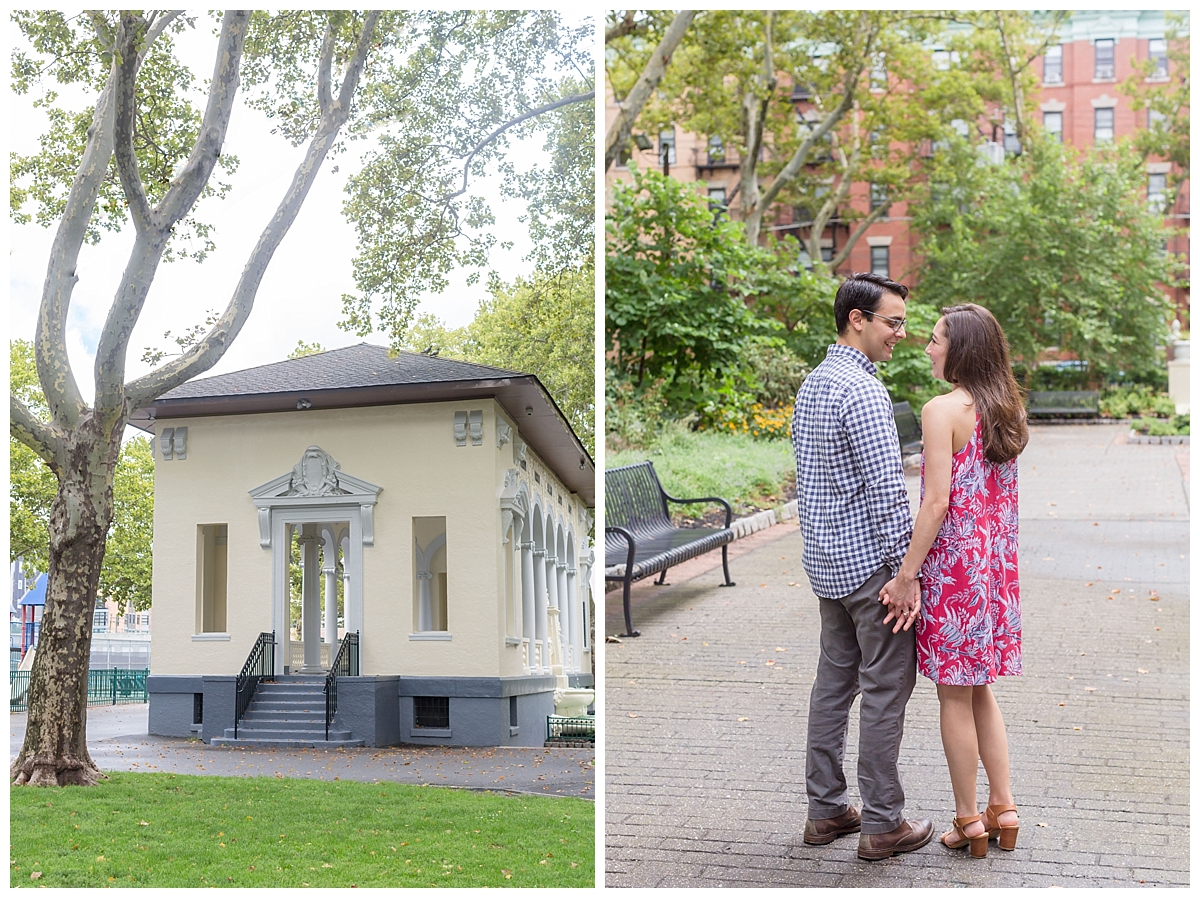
1158,55
1104,125
943,60
212,563
716,151
512,711
99,620
1052,72
666,146
1156,193
1155,120
716,200
1052,122
1011,144
879,74
624,155
1106,48
430,603
879,197
879,260
431,712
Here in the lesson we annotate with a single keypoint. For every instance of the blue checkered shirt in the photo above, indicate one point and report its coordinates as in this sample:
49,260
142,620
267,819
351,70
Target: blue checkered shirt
854,512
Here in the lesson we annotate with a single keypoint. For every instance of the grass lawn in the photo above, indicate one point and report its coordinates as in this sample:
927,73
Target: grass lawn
161,829
749,473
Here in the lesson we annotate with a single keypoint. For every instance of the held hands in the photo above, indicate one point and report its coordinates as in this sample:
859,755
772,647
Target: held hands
902,595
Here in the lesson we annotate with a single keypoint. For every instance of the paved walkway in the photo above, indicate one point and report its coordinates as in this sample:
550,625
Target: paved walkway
117,740
705,712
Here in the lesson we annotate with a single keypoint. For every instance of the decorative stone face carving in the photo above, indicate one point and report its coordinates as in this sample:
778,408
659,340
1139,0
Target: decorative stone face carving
519,451
511,476
503,434
316,474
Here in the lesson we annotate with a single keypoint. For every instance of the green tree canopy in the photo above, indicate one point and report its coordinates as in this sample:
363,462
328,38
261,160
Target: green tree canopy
676,281
1064,250
543,325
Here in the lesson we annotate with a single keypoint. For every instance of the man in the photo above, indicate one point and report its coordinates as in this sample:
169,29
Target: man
856,524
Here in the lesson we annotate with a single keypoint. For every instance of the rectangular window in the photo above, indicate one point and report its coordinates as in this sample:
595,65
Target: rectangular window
879,260
1052,122
1156,193
879,196
716,200
1104,125
666,147
943,60
430,603
99,620
1011,144
212,562
1052,73
431,712
879,74
1106,51
1158,55
1155,119
512,711
716,151
624,155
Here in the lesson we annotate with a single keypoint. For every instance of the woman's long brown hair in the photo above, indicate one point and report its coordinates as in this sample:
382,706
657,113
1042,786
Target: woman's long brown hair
977,361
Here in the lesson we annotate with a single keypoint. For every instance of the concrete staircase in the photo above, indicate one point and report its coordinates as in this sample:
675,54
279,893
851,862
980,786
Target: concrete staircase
288,713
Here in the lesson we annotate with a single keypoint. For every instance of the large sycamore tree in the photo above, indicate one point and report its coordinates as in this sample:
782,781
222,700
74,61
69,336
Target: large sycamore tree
142,156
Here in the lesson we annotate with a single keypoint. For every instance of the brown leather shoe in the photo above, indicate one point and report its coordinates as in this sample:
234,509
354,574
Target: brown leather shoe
822,832
908,836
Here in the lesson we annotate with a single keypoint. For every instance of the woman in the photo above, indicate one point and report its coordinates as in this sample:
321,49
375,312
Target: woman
964,549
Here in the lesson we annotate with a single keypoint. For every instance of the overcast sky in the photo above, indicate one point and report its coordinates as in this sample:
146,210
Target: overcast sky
300,296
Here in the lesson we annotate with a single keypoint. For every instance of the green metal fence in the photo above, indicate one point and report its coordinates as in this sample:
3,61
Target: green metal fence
570,729
105,687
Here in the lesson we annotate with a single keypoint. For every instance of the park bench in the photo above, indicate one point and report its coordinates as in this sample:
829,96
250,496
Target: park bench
639,538
908,428
1063,404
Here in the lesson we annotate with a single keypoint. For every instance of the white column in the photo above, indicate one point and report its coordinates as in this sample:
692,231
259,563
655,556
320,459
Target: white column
330,545
527,628
311,603
574,655
564,606
551,595
540,601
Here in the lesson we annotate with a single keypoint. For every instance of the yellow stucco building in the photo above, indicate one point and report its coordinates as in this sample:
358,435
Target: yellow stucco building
437,511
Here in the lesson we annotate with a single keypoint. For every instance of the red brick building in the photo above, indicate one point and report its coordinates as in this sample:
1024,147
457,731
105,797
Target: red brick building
1079,99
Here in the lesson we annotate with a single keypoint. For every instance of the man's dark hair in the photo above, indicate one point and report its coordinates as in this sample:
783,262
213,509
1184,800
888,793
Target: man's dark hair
862,292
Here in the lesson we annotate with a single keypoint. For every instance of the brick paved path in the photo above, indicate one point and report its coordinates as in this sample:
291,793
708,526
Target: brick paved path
705,712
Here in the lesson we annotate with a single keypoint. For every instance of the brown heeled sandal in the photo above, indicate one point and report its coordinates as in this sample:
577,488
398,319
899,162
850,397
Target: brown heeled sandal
1006,834
979,843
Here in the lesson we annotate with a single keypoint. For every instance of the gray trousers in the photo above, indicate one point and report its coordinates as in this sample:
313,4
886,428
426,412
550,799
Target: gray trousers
860,653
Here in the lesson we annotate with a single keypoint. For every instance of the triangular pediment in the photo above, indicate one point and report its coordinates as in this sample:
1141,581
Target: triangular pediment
315,480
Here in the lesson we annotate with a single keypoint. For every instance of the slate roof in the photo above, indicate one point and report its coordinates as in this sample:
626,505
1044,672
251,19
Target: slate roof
367,375
352,367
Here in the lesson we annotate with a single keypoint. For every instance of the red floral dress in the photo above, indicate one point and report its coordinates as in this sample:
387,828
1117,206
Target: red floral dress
970,627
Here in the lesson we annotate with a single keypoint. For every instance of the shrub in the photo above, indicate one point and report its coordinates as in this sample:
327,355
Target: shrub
1138,399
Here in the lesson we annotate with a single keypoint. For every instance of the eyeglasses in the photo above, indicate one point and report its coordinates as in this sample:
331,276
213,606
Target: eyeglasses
896,323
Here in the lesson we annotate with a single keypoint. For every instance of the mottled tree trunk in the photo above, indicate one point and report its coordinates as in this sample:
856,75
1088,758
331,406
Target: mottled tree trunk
55,749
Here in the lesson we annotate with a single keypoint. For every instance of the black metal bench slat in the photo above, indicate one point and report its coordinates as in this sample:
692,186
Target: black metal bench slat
639,539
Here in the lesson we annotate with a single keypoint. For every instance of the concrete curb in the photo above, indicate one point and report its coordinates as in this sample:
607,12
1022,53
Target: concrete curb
1138,439
761,520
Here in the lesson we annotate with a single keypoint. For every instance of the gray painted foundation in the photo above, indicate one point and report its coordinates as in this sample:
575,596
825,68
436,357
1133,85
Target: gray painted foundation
379,710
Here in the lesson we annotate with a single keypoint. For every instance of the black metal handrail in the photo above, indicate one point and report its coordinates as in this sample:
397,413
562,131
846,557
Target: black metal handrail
346,665
260,665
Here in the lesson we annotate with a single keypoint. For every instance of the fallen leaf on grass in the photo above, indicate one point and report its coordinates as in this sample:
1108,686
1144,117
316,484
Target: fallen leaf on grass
35,875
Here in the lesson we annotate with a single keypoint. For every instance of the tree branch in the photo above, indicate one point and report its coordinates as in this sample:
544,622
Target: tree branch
209,350
29,430
325,69
154,226
533,113
628,111
622,28
844,253
187,186
129,33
